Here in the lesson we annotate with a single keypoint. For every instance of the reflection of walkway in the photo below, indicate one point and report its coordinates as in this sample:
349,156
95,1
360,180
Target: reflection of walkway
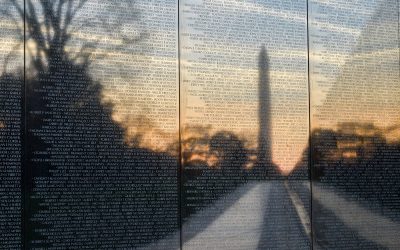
238,227
348,215
257,215
264,215
282,228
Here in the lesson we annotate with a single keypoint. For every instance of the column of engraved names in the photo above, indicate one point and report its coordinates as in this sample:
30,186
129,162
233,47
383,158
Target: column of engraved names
354,70
222,44
11,85
93,187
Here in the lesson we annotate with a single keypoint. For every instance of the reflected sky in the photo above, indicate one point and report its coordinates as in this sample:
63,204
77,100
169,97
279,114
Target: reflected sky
222,82
11,46
355,77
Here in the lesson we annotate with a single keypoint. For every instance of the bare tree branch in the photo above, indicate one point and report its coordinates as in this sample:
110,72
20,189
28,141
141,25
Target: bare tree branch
59,8
50,25
47,23
68,15
64,37
49,12
33,25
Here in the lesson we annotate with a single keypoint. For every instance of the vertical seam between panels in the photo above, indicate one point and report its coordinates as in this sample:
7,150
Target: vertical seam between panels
24,165
180,166
310,164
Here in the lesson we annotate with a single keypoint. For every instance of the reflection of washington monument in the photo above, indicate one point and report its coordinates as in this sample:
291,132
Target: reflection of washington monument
264,111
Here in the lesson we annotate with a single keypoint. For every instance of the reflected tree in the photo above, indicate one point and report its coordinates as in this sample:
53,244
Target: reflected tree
74,145
230,152
214,165
49,27
195,146
355,158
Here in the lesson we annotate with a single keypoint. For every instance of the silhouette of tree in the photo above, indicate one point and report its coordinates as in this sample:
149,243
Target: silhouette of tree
230,152
49,25
194,144
355,158
78,166
204,183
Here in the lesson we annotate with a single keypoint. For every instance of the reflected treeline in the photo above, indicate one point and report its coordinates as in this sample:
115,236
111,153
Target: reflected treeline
213,166
356,158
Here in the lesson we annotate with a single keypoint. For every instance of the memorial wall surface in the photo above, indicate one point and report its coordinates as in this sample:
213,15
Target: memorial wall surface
199,124
11,127
244,120
355,88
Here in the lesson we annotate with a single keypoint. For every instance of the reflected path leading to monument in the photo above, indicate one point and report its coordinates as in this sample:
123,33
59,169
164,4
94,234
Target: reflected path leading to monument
372,228
256,215
264,215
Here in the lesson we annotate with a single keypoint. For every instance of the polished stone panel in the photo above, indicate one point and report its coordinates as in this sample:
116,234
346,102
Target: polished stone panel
355,139
244,124
199,124
102,122
11,124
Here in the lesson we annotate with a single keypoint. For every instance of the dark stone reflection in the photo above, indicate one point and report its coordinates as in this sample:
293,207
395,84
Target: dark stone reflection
358,157
354,146
86,188
11,89
11,127
356,176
